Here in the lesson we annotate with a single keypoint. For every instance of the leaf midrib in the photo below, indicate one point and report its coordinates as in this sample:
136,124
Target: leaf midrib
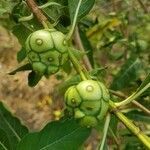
60,139
10,127
129,68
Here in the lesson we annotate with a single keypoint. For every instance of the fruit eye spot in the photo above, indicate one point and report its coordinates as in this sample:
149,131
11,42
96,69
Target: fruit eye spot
73,101
89,88
39,42
50,59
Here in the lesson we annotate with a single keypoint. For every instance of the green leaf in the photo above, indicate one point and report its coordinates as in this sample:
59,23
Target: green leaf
55,12
129,72
57,135
87,46
132,143
4,140
78,54
67,67
21,55
21,68
144,83
34,78
20,10
11,129
22,31
138,116
85,7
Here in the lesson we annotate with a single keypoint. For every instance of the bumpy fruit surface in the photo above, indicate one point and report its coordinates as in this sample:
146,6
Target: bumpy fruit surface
87,102
46,51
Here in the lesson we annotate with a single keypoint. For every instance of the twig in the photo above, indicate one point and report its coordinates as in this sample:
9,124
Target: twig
38,13
128,123
80,46
116,140
133,96
135,103
106,126
143,6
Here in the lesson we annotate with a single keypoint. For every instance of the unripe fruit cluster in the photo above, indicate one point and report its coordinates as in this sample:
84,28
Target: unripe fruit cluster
87,102
46,51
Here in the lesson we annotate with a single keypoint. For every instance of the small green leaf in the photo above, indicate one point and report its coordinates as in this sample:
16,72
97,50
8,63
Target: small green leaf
85,7
11,129
57,135
25,67
129,72
21,55
34,78
144,83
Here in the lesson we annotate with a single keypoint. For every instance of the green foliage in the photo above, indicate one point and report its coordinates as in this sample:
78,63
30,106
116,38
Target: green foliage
128,73
87,46
64,134
25,67
21,55
138,116
11,129
34,78
144,83
86,6
114,34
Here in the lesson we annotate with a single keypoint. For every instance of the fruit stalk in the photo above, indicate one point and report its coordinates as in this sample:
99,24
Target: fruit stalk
128,123
38,13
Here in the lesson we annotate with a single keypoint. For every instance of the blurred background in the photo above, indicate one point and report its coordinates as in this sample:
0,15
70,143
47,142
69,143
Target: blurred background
118,37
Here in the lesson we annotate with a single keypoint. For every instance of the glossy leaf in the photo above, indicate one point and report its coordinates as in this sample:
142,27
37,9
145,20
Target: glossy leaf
64,134
11,129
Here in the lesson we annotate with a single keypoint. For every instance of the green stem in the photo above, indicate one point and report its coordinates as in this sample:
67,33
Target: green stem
78,67
135,103
128,123
132,97
26,18
49,4
39,14
106,126
47,25
74,21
